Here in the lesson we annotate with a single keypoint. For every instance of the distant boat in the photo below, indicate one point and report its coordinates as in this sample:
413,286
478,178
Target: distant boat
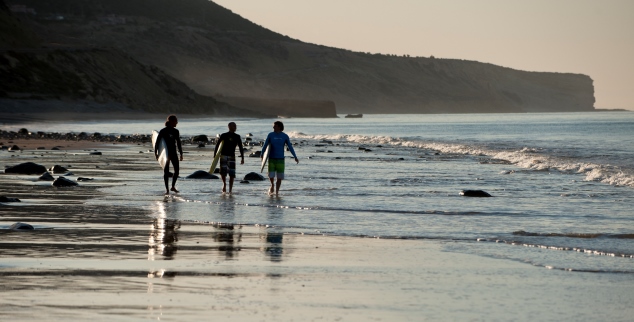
354,116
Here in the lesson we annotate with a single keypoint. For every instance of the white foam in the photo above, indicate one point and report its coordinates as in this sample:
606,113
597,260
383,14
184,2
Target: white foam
532,158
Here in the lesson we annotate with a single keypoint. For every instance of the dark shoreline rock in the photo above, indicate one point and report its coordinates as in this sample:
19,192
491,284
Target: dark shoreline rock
200,174
475,193
26,168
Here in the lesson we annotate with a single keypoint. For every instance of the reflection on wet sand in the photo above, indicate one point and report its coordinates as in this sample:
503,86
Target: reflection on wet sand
163,239
273,240
226,235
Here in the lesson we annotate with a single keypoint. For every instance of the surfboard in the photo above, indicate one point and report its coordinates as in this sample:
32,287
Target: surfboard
161,150
265,157
214,163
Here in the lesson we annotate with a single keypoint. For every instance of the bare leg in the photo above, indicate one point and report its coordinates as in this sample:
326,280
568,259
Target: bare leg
176,171
272,188
224,183
231,184
166,176
277,186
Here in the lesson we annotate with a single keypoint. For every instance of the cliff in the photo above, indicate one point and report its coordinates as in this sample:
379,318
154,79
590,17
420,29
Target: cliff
101,76
218,53
284,107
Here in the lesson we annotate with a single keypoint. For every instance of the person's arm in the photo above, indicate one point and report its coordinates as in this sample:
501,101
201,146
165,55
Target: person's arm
156,144
266,144
241,149
290,148
178,144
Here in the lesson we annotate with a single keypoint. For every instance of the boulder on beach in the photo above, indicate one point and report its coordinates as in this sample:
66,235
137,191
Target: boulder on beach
58,169
252,176
84,179
26,168
200,138
21,226
95,153
200,174
63,182
8,199
46,177
14,148
474,193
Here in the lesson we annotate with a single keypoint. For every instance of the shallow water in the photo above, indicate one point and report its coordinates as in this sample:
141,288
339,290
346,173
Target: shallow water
563,184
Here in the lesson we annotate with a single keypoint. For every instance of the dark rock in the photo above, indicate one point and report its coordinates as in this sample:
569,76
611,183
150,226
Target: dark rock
58,169
41,148
23,131
84,179
54,148
46,177
14,148
26,168
255,154
474,193
7,199
200,174
252,176
201,145
21,226
217,170
63,182
200,138
95,153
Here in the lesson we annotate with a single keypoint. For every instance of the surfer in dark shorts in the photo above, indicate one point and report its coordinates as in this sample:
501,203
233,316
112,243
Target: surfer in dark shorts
276,140
173,142
228,155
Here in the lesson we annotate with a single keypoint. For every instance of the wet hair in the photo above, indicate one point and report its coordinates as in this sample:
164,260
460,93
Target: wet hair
170,118
280,125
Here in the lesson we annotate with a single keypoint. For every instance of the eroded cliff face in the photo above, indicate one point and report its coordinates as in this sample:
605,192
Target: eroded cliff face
102,76
229,56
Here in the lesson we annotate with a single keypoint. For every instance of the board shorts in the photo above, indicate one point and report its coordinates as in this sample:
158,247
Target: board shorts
276,168
228,165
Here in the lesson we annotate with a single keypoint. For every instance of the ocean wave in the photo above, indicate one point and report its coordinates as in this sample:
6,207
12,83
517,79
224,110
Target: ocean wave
531,158
575,235
585,250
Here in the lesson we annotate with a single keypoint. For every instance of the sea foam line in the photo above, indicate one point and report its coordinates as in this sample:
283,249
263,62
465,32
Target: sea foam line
526,157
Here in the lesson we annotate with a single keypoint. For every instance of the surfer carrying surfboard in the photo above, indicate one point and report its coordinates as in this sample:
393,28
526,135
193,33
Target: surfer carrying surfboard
172,142
228,141
275,141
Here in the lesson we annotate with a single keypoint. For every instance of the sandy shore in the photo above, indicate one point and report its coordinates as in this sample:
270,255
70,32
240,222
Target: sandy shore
92,256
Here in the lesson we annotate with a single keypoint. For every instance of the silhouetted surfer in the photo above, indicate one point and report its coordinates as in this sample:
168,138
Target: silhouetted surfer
173,142
277,139
228,155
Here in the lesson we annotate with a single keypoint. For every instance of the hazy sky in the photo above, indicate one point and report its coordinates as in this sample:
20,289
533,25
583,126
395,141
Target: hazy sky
592,37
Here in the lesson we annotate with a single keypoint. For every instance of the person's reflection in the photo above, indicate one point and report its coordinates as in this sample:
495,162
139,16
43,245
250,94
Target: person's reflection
273,239
225,235
163,235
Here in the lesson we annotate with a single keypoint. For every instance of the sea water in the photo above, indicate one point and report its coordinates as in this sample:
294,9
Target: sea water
562,183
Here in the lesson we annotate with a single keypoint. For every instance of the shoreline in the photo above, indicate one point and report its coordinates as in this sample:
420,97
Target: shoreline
114,247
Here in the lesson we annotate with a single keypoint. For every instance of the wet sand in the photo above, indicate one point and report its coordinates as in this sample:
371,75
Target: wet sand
93,258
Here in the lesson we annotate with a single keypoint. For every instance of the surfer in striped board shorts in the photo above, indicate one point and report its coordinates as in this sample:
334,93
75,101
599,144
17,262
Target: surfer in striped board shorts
228,155
277,139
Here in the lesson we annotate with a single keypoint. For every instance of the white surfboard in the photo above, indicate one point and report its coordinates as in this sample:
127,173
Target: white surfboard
161,149
214,163
265,157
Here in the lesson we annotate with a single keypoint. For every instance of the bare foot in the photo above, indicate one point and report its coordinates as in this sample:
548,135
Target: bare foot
167,192
271,190
174,189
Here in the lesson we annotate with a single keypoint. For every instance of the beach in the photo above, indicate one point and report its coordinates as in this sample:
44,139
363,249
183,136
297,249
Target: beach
116,248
